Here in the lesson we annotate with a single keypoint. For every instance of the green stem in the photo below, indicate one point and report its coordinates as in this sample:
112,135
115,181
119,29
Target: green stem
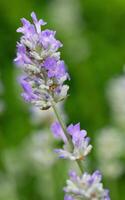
62,125
79,162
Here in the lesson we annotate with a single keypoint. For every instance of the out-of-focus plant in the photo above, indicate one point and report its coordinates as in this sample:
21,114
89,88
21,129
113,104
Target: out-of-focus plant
42,118
32,159
116,97
110,140
110,148
66,16
7,188
2,103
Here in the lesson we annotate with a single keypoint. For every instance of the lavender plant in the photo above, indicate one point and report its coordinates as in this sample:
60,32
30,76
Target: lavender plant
113,135
110,136
43,82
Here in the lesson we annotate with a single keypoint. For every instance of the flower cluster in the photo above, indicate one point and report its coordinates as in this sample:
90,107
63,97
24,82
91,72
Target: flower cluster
81,146
88,187
38,56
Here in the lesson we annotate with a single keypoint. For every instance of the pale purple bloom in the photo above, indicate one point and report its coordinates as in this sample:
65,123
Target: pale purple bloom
55,68
27,29
81,146
28,93
38,23
57,131
47,39
38,57
22,58
87,186
77,135
68,197
73,174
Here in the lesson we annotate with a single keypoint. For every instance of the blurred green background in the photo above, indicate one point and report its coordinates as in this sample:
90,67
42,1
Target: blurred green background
93,34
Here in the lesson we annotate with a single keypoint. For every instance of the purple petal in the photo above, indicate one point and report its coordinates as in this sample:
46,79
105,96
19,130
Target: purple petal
61,152
97,176
48,40
50,62
22,57
107,194
27,29
58,132
68,197
73,175
38,23
28,94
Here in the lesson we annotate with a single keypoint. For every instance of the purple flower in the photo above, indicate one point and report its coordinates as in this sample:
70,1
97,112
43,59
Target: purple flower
77,135
39,59
68,197
55,68
73,175
96,176
81,146
22,58
27,29
86,187
38,23
51,65
58,132
28,94
47,39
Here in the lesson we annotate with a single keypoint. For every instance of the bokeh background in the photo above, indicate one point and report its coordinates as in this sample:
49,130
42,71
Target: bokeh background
93,34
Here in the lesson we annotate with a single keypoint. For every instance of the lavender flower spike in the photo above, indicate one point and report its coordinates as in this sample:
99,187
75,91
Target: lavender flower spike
39,59
42,81
81,147
88,187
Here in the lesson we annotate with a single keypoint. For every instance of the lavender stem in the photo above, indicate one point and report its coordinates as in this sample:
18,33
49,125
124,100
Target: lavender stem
79,162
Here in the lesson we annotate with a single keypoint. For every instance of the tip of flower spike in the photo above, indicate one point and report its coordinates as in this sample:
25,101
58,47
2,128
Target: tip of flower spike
35,20
33,15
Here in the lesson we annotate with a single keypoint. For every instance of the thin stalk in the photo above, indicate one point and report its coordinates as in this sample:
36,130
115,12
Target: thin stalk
79,162
62,125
